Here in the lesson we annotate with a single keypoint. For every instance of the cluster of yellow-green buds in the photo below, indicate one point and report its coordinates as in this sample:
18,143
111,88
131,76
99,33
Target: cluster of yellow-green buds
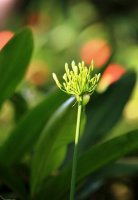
78,81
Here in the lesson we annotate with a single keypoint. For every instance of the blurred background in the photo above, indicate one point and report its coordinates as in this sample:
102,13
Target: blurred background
66,30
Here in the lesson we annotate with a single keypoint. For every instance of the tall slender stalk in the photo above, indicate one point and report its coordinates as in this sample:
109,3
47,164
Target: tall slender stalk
78,82
75,156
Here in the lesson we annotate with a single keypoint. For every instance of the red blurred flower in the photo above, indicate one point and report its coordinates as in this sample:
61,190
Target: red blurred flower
111,74
98,50
5,36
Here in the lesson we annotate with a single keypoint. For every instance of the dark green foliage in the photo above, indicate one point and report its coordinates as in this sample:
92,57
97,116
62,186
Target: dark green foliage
104,110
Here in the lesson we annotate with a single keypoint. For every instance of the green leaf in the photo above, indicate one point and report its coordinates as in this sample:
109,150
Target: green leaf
20,105
14,59
28,130
58,133
104,110
91,161
13,181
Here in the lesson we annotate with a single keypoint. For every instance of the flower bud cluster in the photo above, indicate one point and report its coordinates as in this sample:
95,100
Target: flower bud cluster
79,80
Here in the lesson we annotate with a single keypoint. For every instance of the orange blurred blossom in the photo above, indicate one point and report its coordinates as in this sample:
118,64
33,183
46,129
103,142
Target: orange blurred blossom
111,74
5,36
98,50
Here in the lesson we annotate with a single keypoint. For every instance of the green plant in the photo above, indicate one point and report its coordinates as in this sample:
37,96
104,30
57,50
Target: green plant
34,154
78,82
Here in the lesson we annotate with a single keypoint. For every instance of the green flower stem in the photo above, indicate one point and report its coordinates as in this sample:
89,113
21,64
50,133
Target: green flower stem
74,167
79,82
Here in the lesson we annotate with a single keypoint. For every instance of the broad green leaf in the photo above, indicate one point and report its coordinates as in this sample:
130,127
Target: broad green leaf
104,110
91,161
14,60
13,181
28,130
57,159
59,132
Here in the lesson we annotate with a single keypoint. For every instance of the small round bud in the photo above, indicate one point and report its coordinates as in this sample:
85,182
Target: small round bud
85,99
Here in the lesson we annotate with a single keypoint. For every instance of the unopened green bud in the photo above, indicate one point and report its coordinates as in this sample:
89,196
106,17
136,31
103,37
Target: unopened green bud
85,99
56,80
